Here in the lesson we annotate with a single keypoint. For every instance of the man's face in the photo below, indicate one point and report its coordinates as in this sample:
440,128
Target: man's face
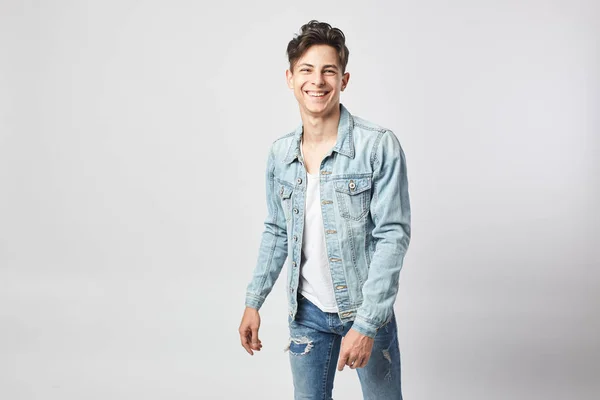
317,80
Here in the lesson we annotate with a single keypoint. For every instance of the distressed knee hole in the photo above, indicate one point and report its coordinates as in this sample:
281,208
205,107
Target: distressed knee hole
386,355
299,346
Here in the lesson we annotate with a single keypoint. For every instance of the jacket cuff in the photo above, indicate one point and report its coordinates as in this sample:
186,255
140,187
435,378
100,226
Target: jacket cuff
365,327
254,301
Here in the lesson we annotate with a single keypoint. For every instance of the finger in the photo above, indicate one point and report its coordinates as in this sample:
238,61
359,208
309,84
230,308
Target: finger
245,342
356,364
254,346
364,362
351,360
342,361
256,343
353,363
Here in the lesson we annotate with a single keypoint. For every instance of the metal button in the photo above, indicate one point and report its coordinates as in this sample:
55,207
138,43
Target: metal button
294,264
295,211
291,290
299,181
295,238
281,190
352,185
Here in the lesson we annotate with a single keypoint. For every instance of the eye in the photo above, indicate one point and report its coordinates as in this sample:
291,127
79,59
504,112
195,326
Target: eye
304,70
330,71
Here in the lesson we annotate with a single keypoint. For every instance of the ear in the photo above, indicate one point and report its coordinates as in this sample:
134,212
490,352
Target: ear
345,79
288,77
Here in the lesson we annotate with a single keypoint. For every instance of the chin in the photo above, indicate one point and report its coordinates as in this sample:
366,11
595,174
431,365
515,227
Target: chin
318,108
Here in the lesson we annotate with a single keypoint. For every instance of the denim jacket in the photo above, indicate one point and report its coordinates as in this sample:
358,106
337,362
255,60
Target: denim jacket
366,217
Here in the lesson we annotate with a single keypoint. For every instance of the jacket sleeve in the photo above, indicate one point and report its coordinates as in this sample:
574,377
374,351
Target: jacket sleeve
272,252
390,212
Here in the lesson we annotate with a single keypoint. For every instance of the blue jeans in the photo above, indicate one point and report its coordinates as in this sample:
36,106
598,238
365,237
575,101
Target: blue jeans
315,339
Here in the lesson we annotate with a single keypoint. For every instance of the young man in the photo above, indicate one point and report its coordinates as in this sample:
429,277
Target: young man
338,209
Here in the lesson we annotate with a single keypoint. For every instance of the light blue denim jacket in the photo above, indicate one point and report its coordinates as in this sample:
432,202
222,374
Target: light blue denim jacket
366,217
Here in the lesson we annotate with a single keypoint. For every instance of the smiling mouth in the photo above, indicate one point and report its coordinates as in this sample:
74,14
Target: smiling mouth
314,93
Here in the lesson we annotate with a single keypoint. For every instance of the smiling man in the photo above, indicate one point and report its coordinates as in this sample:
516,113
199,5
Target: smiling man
338,211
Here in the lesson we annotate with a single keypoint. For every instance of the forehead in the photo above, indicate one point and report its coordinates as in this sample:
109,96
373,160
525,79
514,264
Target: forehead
319,54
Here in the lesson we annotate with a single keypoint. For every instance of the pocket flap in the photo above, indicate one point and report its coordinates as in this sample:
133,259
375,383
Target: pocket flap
353,186
285,191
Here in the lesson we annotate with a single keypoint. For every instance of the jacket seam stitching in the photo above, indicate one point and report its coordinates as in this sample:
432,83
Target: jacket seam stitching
274,244
374,182
370,128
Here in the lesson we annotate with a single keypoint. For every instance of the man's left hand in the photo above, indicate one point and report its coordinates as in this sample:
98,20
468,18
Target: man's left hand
356,350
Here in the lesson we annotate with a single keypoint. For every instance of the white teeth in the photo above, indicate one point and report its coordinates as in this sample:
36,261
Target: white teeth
316,94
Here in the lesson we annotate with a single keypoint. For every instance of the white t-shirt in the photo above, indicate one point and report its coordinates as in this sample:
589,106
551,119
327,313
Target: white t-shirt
315,277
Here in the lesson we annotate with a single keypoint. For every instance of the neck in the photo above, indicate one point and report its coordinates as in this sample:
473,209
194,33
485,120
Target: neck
319,129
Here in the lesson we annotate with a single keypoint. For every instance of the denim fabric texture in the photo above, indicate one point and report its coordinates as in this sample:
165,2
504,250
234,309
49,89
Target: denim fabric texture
314,349
366,217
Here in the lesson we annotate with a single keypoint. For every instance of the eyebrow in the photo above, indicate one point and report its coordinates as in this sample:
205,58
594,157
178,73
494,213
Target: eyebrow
324,66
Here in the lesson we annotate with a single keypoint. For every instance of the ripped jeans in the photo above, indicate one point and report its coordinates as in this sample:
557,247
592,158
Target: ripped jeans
315,339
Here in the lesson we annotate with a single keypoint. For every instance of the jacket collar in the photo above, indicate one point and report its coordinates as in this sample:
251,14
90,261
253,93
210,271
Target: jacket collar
344,143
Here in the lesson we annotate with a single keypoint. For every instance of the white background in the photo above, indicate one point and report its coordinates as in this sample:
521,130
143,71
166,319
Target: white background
133,143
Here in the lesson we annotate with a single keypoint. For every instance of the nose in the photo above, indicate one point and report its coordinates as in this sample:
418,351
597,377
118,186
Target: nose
319,81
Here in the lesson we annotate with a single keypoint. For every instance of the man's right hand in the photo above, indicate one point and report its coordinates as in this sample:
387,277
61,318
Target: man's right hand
249,330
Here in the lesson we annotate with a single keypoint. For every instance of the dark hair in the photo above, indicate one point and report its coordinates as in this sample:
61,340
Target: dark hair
315,32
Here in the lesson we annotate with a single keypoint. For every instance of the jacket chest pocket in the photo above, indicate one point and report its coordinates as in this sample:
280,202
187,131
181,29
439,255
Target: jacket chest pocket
285,195
353,196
